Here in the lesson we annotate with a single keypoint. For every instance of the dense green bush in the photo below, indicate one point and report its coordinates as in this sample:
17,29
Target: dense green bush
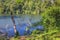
25,6
50,21
51,18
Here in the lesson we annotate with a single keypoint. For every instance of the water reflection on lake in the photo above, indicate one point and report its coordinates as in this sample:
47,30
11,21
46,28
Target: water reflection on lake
6,22
19,19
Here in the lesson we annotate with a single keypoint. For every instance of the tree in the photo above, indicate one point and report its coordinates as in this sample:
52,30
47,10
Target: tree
12,17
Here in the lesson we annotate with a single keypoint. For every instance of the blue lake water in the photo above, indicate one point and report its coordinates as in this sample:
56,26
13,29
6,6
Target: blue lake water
22,22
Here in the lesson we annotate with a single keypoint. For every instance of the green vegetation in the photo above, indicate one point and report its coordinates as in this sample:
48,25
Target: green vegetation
50,21
49,10
25,6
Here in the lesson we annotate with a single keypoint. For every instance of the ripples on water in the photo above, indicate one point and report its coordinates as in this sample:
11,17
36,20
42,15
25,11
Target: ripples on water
19,19
6,22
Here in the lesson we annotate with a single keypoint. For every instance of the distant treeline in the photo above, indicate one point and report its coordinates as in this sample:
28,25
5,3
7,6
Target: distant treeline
26,6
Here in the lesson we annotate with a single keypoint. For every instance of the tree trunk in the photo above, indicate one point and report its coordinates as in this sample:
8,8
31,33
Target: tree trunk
12,17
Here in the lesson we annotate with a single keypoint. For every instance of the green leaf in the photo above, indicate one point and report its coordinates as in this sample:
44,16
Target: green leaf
19,1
